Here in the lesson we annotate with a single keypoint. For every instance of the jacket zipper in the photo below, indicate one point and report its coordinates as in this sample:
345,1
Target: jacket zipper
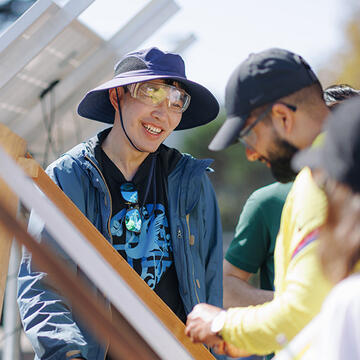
107,188
108,225
193,267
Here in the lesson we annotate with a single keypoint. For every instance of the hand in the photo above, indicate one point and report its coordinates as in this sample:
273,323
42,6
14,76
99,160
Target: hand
225,348
198,328
198,325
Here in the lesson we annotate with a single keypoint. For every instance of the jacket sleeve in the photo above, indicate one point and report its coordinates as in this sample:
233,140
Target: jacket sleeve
46,316
213,237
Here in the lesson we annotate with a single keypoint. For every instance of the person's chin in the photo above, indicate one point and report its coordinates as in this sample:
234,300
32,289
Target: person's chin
151,142
283,175
149,148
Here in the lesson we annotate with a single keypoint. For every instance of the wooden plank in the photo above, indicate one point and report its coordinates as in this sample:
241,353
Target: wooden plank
92,263
126,342
15,146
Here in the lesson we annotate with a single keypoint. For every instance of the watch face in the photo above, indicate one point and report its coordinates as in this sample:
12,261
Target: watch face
218,322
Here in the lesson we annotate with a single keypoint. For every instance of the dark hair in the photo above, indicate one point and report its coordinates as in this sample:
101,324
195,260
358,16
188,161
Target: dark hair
311,96
175,82
339,246
335,94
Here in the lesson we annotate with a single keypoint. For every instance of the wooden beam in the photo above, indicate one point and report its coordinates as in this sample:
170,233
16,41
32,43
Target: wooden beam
15,146
92,264
126,343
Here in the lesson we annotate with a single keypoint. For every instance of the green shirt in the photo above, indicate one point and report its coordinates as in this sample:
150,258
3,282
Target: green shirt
253,245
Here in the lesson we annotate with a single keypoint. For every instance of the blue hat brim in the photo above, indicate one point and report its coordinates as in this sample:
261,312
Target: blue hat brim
202,109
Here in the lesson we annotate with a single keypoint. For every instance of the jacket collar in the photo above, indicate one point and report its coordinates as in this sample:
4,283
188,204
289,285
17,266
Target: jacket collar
93,144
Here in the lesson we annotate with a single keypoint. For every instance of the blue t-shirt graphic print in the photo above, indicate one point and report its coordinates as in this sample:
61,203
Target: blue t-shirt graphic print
149,251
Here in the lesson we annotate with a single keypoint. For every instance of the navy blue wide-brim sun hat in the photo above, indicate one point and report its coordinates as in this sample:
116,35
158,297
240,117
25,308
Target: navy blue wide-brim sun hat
145,65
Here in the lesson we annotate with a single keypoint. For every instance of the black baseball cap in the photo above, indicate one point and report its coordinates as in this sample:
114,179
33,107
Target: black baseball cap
262,78
339,154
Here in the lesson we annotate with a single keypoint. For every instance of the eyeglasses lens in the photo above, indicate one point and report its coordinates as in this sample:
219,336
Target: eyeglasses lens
249,140
247,136
155,93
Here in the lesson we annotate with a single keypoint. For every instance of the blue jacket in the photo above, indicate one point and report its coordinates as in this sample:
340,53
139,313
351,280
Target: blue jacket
53,330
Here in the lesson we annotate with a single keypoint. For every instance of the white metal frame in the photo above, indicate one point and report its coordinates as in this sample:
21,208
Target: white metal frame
27,37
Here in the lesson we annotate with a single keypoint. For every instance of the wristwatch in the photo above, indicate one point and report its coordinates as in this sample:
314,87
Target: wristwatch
218,322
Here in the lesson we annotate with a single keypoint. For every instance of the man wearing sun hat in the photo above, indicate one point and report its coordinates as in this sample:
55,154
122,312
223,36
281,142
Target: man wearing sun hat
155,205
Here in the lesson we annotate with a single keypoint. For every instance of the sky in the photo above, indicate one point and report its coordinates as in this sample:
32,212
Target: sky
227,31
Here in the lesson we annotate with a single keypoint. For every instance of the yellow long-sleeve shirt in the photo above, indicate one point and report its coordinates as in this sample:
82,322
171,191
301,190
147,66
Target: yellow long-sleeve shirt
300,286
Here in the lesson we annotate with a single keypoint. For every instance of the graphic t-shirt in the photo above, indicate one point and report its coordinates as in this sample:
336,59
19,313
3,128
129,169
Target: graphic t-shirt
148,252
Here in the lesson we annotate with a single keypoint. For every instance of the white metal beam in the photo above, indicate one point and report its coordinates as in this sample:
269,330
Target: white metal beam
32,32
16,29
184,43
146,22
12,324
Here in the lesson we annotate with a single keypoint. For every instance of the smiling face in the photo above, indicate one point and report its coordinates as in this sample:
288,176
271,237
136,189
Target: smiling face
146,125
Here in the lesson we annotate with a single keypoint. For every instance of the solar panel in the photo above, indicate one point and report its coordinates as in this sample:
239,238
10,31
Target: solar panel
56,61
32,32
76,59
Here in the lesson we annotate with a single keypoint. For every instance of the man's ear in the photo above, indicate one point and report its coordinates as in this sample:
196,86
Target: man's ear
283,119
113,96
